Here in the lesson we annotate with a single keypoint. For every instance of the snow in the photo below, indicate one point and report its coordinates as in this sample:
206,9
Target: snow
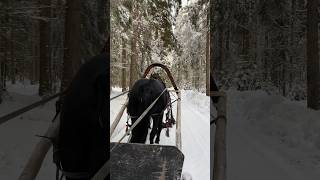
268,136
187,2
17,136
195,133
195,124
15,151
23,88
289,122
271,137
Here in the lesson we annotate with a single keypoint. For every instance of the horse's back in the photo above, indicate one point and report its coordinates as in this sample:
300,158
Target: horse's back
142,94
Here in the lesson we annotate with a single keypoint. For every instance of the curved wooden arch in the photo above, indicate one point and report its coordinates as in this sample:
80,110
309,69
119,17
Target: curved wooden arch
167,71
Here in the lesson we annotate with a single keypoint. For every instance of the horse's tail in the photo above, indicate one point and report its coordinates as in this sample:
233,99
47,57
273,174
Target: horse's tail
139,100
142,95
146,98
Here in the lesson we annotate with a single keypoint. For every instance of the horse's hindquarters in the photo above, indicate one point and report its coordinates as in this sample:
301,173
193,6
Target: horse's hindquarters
140,132
142,94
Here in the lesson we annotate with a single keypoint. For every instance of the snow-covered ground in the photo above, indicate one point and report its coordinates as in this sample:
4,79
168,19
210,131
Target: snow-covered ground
270,137
195,133
17,136
15,150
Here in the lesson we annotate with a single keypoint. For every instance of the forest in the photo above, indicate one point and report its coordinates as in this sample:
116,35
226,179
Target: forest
267,44
172,32
262,54
252,44
45,42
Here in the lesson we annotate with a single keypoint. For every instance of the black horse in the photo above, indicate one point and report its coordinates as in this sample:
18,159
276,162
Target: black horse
141,95
83,140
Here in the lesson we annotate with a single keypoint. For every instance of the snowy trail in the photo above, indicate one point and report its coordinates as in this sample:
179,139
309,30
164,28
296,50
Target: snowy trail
195,139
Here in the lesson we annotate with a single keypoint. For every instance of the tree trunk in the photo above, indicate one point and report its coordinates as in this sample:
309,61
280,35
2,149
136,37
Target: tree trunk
208,57
35,53
71,60
2,65
124,66
5,68
45,49
142,63
2,75
313,94
259,46
12,56
134,50
179,79
213,55
292,47
284,79
217,39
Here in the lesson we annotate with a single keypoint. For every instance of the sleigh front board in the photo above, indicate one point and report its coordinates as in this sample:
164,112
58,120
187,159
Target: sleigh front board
145,162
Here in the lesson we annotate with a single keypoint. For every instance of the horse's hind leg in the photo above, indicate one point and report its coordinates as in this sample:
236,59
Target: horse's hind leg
159,127
154,129
140,132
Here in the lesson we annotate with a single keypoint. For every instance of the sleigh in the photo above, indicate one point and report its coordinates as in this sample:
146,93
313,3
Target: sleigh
144,161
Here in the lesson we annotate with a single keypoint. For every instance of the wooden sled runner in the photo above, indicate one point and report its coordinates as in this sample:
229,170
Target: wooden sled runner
145,162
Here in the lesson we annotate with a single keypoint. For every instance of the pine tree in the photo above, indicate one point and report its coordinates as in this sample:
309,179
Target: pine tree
313,71
72,57
124,67
134,41
45,48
